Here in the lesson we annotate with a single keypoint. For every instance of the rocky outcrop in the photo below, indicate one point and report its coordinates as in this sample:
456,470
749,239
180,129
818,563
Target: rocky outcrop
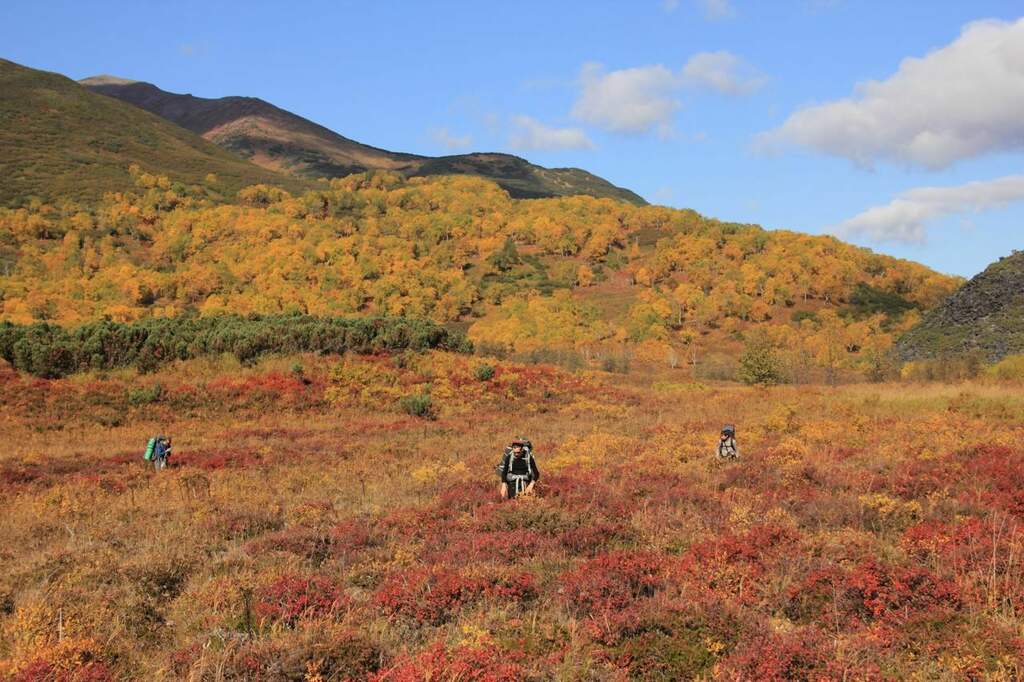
984,317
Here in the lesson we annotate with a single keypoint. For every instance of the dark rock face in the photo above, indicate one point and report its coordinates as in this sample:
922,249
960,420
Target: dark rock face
984,317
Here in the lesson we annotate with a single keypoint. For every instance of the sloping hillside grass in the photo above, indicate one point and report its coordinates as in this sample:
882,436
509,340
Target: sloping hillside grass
59,141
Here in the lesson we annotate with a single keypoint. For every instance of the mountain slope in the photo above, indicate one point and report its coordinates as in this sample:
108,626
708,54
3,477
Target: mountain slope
280,140
985,316
568,274
59,141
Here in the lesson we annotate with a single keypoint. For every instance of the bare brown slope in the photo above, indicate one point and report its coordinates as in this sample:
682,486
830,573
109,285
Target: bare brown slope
278,139
255,128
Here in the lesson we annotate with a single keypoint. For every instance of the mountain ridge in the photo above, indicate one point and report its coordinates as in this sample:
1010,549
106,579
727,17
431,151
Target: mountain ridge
280,140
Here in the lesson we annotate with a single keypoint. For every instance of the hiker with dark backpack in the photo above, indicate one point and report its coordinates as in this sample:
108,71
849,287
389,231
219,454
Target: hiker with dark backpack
727,448
518,470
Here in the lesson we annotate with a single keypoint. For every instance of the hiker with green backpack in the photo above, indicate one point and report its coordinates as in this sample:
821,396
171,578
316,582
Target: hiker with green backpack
158,451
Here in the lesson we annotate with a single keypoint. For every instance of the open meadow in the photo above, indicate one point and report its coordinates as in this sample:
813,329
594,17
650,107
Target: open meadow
321,520
364,268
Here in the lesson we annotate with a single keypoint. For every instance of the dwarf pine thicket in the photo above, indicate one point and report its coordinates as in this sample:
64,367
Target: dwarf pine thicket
51,351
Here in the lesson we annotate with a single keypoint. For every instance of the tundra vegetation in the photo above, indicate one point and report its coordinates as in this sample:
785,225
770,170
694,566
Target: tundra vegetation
317,524
339,371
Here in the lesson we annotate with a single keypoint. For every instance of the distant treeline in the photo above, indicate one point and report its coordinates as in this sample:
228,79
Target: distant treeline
52,351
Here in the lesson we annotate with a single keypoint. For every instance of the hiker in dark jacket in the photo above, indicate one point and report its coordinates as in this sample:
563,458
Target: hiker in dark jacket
518,469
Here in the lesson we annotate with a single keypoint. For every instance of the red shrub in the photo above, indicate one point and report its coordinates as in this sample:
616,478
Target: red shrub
588,492
38,670
997,472
869,593
519,587
611,581
350,536
897,592
235,524
588,540
433,595
463,664
731,561
427,595
944,539
794,655
182,660
466,497
291,598
211,460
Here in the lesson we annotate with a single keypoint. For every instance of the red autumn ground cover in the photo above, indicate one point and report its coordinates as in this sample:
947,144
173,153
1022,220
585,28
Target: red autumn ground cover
308,529
293,597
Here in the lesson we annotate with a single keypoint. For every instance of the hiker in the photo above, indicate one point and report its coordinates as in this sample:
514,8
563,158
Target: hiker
727,444
158,451
518,469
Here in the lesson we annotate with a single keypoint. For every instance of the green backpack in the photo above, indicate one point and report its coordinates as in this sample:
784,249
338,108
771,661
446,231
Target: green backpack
149,449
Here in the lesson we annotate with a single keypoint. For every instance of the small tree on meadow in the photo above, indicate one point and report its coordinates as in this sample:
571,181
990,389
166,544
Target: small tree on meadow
760,363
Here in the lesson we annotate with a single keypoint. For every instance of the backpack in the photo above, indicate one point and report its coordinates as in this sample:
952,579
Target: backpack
507,457
727,449
150,446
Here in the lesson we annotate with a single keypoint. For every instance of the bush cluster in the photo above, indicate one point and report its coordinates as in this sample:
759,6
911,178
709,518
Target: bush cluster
51,351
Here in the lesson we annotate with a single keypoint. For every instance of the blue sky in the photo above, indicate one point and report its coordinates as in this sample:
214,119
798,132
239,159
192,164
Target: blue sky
745,111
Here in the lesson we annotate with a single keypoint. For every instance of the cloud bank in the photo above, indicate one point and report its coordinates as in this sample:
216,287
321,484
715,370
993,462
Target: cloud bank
722,72
960,101
905,218
532,134
645,98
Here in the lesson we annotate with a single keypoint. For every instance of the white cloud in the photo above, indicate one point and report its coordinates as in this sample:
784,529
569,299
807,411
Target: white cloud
628,100
644,98
957,102
905,218
532,134
448,140
670,5
717,9
722,72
